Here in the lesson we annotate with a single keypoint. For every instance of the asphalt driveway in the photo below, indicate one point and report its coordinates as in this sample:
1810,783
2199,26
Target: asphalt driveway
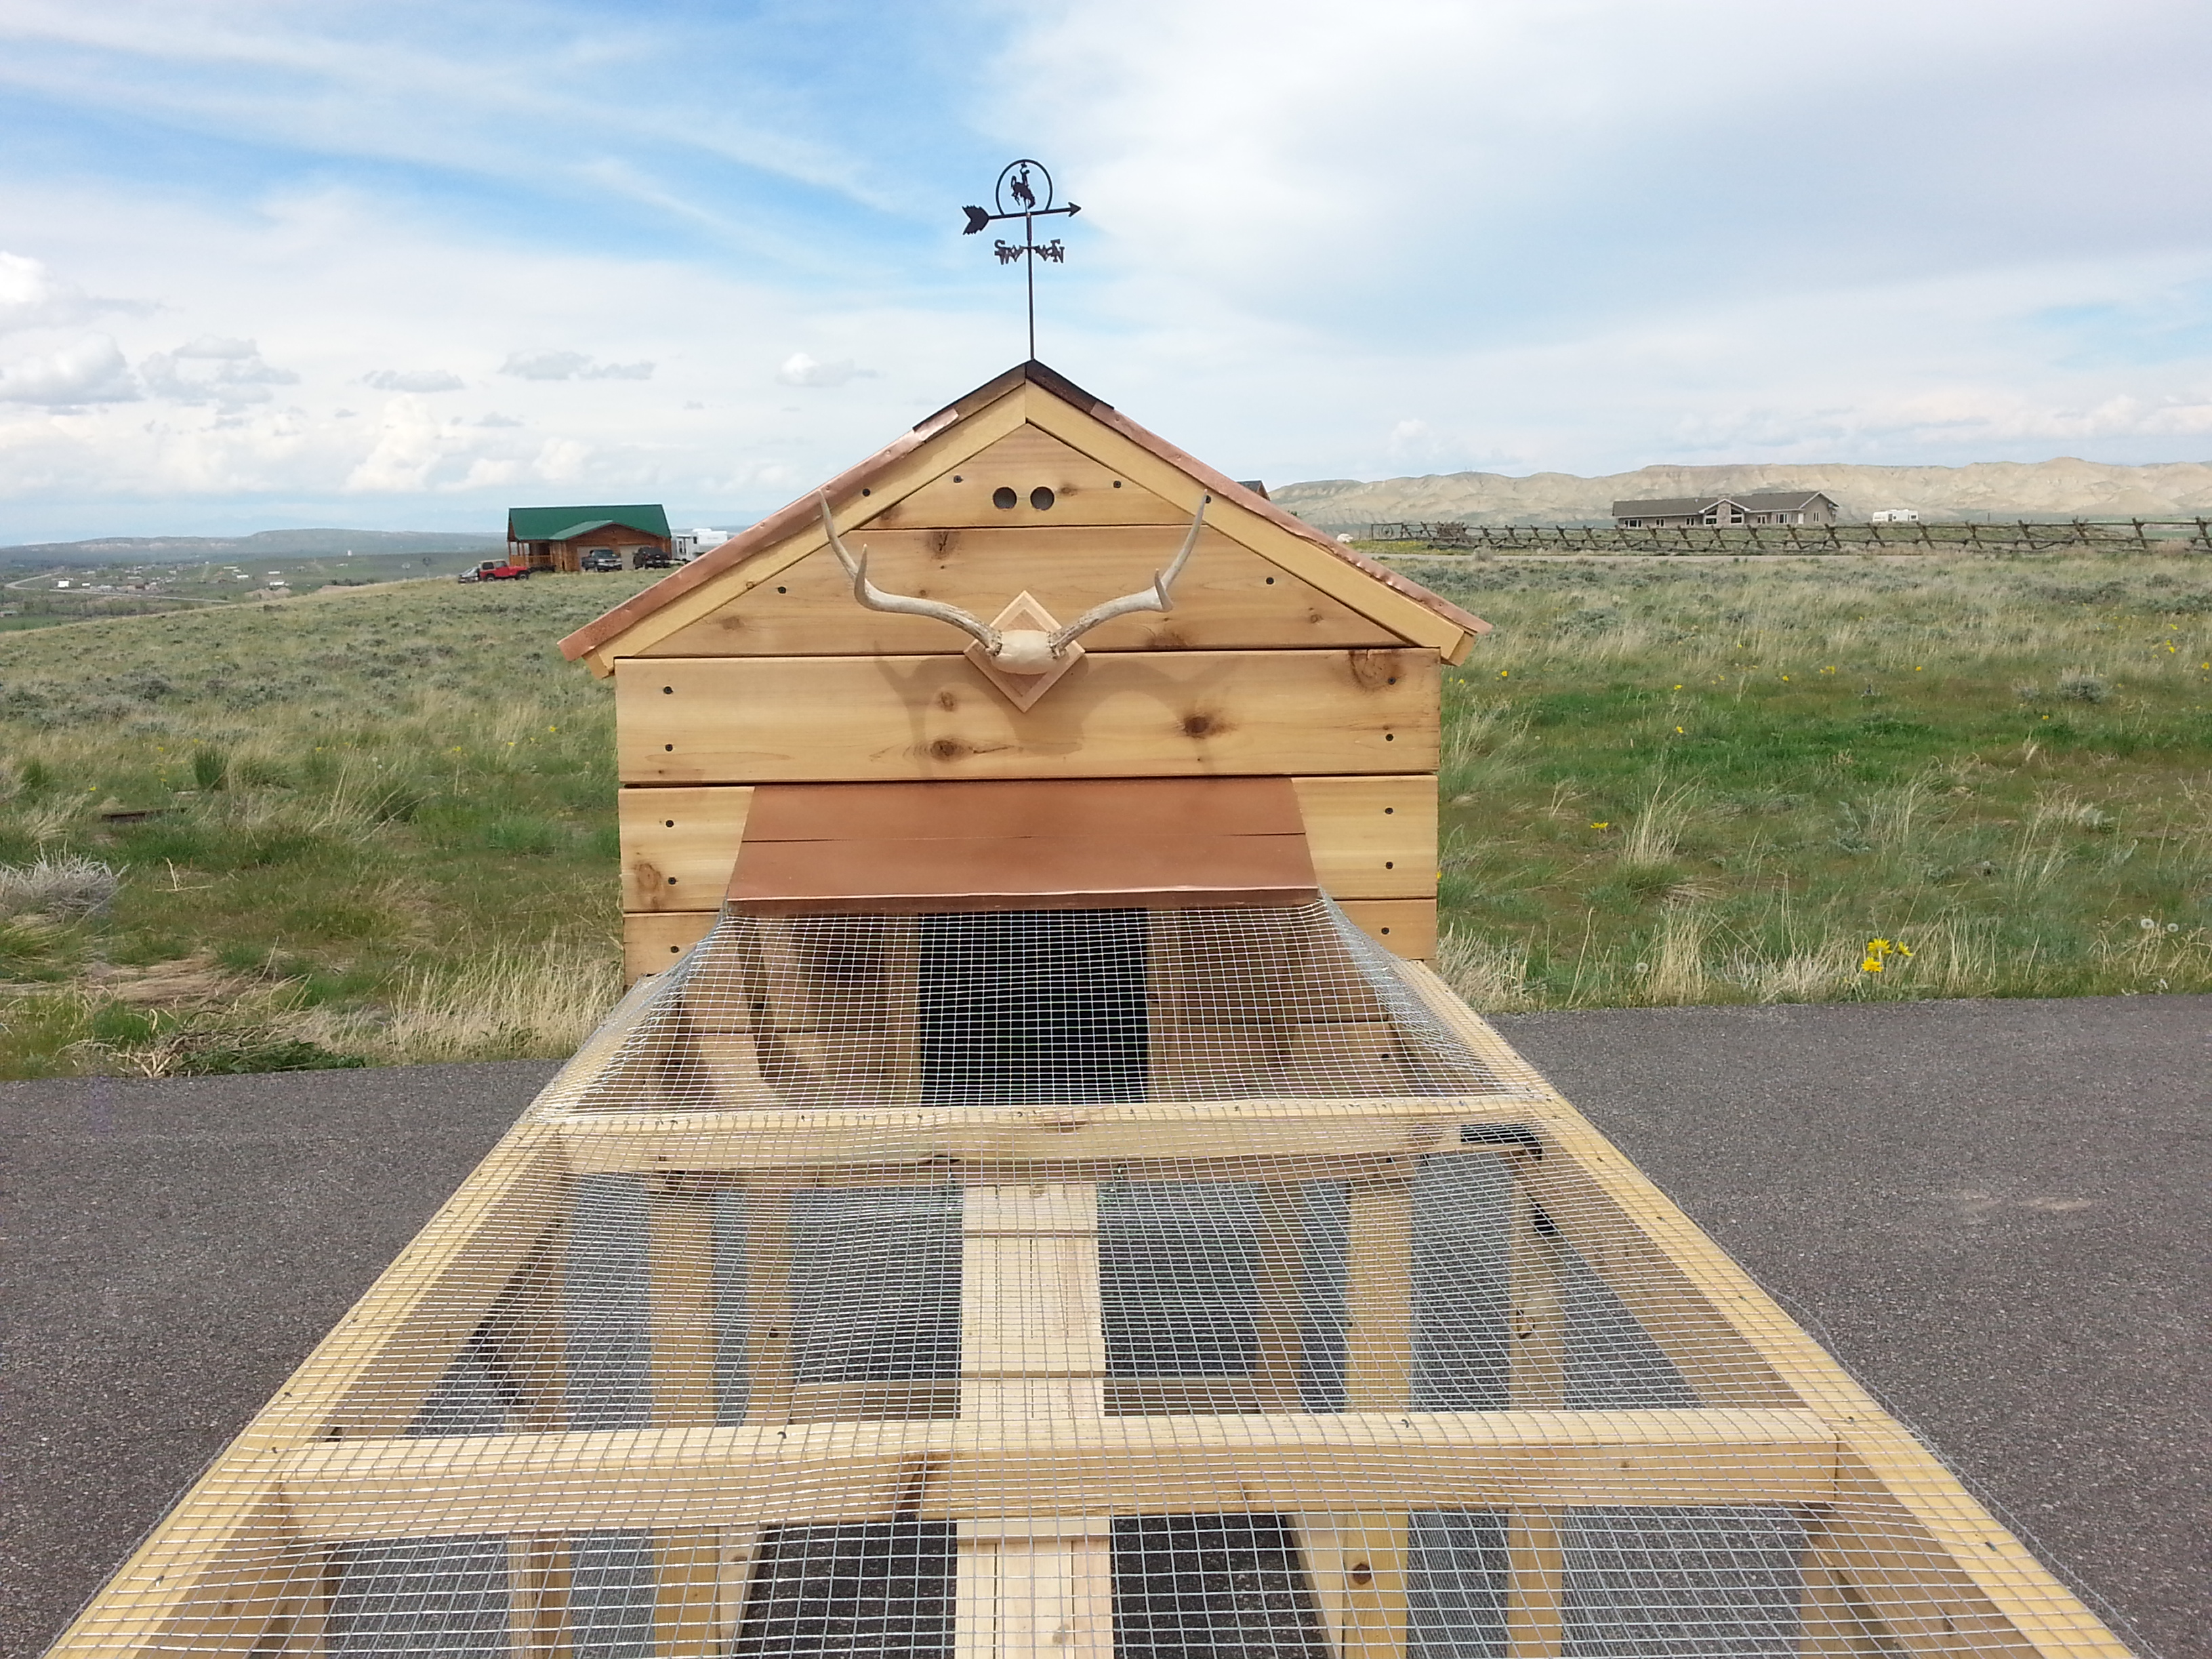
1995,1212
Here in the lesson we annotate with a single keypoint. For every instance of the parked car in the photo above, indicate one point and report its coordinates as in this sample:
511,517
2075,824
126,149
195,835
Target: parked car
494,570
600,558
657,558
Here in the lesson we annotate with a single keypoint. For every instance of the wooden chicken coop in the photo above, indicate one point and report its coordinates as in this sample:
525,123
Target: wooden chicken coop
1036,1203
1286,654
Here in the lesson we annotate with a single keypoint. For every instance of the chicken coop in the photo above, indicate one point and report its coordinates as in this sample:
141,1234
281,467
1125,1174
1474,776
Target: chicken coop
1036,1197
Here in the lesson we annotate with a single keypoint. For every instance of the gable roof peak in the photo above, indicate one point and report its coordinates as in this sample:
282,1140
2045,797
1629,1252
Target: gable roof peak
796,517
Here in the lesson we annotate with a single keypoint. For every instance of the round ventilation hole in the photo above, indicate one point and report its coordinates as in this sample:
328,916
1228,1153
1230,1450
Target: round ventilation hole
1040,499
1003,497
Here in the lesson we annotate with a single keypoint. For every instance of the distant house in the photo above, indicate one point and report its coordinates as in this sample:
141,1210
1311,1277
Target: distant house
1758,506
557,537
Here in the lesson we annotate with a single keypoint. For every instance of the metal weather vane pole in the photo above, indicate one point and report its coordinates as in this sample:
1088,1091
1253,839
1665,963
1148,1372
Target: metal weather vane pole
1018,181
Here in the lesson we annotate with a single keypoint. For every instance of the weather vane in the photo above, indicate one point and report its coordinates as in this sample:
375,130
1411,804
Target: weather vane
1019,182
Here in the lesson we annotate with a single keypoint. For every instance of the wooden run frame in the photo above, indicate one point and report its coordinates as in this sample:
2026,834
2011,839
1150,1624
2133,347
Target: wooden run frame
1033,1412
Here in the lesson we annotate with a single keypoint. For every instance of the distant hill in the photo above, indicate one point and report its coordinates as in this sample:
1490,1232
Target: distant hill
1995,489
263,545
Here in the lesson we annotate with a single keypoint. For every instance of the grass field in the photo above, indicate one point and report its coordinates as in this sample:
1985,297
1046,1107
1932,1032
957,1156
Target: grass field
378,825
1673,783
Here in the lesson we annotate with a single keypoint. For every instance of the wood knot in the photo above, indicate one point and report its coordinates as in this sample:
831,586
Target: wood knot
948,698
947,749
1198,726
1372,669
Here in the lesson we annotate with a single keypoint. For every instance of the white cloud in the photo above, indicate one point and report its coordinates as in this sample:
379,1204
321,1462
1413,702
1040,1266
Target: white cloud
93,371
30,296
413,379
570,365
561,460
214,369
800,369
544,365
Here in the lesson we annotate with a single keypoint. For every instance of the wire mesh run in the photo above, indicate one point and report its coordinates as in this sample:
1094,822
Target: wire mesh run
1088,1284
1030,1007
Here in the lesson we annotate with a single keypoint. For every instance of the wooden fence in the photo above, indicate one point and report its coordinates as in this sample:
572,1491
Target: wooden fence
2022,535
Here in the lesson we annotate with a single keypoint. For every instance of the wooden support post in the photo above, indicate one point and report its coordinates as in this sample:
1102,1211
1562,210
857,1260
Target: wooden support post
1535,1595
1536,1315
680,1253
1378,1361
1360,1582
769,1318
739,1547
687,1577
1033,1351
1357,1564
1036,1588
537,1619
1278,1300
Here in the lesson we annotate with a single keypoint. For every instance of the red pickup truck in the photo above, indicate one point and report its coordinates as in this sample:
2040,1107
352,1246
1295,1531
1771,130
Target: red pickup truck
492,570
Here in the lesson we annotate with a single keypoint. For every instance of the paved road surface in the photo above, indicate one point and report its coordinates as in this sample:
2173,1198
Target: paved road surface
1996,1213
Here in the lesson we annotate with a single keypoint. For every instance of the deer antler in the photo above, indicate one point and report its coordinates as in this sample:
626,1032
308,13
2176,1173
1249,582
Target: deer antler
876,599
1155,597
1015,650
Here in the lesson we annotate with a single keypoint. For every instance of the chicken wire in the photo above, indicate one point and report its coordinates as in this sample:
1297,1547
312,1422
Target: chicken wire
1151,1283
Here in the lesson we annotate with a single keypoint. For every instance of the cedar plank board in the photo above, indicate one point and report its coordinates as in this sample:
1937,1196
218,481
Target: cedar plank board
1027,459
1370,837
677,844
1405,927
785,719
1228,597
1022,807
654,939
1033,873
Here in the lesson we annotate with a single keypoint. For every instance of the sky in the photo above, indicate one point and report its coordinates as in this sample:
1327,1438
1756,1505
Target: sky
400,266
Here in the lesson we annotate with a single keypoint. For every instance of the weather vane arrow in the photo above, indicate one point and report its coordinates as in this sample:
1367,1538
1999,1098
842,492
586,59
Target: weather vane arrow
1018,181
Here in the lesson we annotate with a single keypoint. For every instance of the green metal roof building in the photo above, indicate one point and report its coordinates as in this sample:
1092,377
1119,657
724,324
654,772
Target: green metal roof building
557,537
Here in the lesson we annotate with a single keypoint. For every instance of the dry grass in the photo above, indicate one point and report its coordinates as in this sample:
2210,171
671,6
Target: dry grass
62,886
539,1000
